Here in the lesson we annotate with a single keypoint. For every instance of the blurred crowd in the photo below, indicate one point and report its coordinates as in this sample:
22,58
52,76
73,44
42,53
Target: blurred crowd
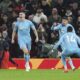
43,13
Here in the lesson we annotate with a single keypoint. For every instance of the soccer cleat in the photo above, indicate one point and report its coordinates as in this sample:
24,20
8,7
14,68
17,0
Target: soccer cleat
65,71
74,69
27,69
27,66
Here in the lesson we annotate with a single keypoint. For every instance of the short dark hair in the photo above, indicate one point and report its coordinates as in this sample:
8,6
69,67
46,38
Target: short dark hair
65,17
69,29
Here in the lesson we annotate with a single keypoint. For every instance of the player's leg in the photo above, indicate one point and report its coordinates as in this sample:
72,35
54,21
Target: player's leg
70,52
77,51
28,55
63,58
26,47
27,58
71,63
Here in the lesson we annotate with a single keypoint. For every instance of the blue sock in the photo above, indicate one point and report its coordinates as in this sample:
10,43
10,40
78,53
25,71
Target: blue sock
64,62
27,57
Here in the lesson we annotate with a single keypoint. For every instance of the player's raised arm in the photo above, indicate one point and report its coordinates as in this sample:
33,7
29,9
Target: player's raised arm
55,27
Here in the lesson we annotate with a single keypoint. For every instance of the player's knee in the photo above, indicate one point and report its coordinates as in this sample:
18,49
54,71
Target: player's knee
25,51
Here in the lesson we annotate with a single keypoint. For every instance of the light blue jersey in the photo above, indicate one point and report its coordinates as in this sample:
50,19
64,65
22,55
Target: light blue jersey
62,29
23,30
70,42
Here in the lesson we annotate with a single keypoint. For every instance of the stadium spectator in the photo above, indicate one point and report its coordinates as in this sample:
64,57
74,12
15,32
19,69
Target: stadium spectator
55,17
46,7
59,4
70,16
78,25
42,37
74,8
4,5
4,49
33,8
78,12
39,15
68,12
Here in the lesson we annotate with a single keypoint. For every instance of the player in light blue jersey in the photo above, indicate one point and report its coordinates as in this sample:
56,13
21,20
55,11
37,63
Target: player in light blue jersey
70,41
62,29
22,26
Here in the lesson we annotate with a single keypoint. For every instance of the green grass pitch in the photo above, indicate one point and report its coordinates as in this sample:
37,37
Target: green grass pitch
39,75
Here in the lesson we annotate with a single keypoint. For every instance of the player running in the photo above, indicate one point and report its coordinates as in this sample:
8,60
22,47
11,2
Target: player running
22,27
62,29
70,42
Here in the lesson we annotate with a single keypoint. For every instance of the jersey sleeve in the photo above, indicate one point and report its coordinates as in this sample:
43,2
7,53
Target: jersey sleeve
55,28
32,25
15,26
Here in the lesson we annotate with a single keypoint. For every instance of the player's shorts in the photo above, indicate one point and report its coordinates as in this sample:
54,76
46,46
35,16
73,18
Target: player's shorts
25,45
71,52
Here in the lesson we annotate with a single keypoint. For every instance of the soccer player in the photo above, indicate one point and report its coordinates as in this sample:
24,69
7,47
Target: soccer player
22,27
62,29
70,41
